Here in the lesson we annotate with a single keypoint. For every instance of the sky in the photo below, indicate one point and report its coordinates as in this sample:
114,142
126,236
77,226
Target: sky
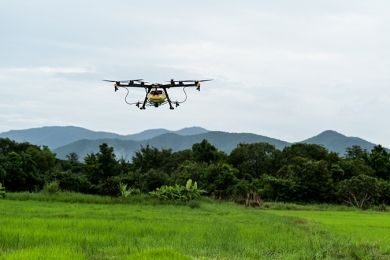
283,69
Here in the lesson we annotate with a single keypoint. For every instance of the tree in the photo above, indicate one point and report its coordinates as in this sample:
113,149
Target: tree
150,158
206,152
360,191
309,151
188,170
354,168
356,153
311,180
92,168
219,178
379,160
72,163
44,158
107,161
21,172
254,159
153,179
3,173
278,189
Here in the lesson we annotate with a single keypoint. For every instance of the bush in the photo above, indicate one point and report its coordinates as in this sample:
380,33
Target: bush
126,192
2,191
194,204
184,193
51,188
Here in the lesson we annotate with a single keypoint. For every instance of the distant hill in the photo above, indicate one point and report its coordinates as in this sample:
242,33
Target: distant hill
66,139
56,136
147,134
126,148
337,142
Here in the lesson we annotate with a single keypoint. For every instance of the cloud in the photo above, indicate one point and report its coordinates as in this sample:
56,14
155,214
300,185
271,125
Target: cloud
52,70
284,69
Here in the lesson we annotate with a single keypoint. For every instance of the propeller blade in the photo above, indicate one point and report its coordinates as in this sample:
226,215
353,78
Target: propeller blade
190,80
128,80
108,80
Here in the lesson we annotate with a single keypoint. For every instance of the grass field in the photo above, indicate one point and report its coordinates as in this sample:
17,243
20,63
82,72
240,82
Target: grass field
31,229
364,227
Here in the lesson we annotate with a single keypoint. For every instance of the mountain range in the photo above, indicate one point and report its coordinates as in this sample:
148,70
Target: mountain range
66,139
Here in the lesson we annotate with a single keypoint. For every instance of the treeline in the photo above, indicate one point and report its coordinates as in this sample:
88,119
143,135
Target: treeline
302,173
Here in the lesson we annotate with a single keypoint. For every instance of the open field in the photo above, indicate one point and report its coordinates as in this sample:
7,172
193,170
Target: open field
361,226
63,230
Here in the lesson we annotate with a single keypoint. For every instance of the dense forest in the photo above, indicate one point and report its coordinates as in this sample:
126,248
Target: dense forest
301,173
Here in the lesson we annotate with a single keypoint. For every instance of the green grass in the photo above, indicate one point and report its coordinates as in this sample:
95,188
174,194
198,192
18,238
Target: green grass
38,229
363,227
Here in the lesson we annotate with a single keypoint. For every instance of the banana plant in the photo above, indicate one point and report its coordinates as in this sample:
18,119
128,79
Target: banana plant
124,192
176,192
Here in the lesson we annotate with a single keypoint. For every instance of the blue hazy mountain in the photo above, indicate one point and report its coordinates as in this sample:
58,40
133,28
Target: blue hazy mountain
56,136
66,139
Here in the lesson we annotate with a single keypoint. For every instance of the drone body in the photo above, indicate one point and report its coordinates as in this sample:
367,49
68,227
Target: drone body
156,93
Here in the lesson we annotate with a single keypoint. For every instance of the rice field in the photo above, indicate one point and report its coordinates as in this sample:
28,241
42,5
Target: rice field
32,229
363,227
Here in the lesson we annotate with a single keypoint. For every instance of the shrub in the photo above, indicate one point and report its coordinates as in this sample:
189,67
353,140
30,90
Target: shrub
194,204
2,191
51,188
124,192
176,192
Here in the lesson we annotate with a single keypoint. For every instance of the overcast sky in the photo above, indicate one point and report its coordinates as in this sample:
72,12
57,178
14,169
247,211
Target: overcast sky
283,69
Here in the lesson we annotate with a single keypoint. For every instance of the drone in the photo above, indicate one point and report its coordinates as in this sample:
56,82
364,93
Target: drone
156,93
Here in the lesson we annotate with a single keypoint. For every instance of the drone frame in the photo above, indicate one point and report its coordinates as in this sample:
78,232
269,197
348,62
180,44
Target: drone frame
139,83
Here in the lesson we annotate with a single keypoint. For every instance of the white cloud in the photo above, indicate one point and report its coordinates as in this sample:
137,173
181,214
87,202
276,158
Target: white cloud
283,69
52,70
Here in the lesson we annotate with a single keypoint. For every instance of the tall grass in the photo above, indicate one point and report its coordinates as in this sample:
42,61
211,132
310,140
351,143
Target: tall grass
366,229
139,231
73,197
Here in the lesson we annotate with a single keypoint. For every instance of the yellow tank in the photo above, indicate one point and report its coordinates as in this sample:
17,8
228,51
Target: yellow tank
157,96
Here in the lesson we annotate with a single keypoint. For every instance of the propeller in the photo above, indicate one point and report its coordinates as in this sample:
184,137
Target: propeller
124,81
117,83
129,82
172,81
190,80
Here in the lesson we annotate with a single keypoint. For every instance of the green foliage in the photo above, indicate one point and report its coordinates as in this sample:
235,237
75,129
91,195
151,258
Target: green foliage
107,160
188,170
72,163
206,152
176,192
153,179
92,168
21,171
304,173
309,151
100,166
379,160
355,152
2,191
254,159
148,158
360,191
69,181
126,192
51,188
219,179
